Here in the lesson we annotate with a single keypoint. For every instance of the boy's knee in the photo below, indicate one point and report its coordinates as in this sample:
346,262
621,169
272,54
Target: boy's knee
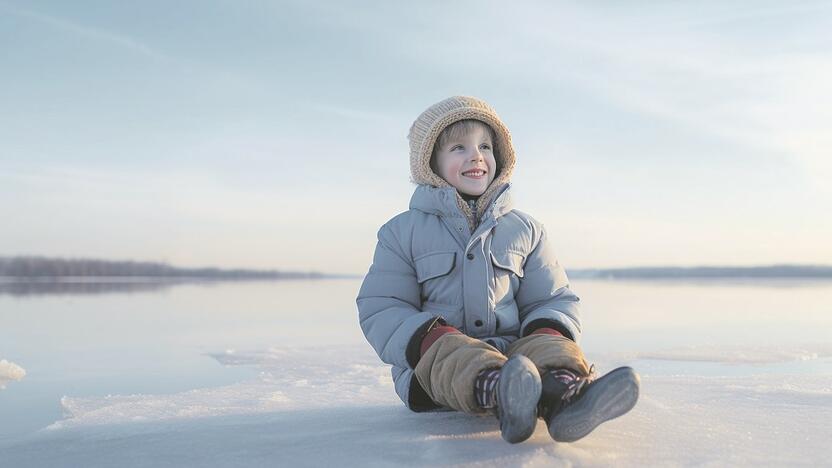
551,352
448,369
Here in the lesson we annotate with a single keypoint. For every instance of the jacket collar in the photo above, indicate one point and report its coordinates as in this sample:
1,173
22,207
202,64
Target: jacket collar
445,201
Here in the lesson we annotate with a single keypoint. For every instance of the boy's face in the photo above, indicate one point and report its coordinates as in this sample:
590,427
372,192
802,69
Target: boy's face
467,162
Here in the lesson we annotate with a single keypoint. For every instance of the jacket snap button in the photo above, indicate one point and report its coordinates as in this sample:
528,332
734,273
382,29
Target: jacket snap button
470,256
478,323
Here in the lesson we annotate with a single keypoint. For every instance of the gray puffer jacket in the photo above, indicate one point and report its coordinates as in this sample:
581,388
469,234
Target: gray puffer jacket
492,283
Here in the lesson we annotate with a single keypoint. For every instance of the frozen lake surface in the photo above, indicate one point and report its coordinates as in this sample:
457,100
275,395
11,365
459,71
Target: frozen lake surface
278,373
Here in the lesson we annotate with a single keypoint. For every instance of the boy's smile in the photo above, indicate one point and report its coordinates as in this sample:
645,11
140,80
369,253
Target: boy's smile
467,162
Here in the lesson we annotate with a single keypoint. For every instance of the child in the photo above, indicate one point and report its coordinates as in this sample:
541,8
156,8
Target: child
465,298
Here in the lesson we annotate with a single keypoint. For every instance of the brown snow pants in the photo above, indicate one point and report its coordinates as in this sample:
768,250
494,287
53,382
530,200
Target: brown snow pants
448,368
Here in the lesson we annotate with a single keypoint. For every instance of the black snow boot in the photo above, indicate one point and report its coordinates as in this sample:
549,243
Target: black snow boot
518,395
573,405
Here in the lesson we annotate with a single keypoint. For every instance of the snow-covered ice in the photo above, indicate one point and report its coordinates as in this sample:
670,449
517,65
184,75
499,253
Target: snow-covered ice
319,406
741,396
290,379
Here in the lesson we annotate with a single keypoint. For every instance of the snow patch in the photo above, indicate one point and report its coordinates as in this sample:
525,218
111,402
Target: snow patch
10,372
312,403
473,435
741,355
290,379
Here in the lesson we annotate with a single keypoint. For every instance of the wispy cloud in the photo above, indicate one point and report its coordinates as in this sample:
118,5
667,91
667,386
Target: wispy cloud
721,84
711,69
95,34
701,107
349,113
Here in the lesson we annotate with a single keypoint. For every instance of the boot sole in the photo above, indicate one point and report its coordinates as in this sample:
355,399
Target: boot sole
518,394
618,395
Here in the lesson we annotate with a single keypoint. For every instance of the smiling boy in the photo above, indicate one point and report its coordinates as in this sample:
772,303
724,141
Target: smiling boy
465,298
455,159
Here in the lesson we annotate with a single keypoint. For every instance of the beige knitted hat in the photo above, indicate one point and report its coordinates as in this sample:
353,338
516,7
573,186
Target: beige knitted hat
426,129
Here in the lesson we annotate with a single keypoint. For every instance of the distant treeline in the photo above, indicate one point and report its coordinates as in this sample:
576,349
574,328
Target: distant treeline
774,271
41,267
44,268
76,286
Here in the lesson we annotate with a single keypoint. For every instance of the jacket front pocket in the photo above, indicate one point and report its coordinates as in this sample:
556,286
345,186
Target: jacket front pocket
436,277
434,264
509,260
508,269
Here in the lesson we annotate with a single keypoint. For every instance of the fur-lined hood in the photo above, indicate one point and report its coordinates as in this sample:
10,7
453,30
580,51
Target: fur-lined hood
425,131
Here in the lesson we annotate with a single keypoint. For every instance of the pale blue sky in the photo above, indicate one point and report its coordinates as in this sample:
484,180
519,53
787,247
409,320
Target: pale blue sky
272,134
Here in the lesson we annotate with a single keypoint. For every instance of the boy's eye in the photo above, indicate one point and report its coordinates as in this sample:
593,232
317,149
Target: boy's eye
485,146
456,147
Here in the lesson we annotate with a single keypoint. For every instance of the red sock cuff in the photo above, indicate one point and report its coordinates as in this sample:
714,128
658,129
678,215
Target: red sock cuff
434,335
546,331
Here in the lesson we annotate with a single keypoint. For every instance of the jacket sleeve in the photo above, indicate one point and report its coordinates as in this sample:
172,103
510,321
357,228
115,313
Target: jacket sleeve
389,301
544,295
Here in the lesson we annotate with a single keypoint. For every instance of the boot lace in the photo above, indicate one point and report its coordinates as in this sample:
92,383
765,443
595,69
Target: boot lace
574,383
